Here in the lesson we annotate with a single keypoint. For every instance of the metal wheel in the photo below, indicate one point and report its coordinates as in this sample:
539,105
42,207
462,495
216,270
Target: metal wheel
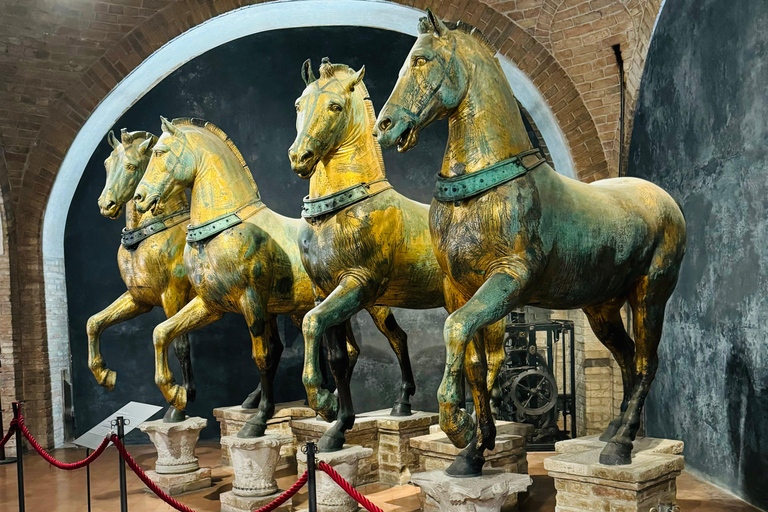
534,392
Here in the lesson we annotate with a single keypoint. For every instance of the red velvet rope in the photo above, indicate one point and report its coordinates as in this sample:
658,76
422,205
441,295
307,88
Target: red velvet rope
61,465
180,506
322,466
11,430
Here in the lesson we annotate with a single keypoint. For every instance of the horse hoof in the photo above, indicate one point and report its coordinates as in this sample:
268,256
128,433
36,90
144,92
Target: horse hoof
615,454
173,415
332,441
251,430
468,464
401,409
109,381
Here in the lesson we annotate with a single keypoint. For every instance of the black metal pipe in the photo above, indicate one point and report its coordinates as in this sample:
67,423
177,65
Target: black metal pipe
121,467
311,475
622,88
574,411
88,480
19,458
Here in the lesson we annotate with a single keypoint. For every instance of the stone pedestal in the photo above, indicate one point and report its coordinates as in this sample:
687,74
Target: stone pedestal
436,452
254,462
346,462
364,433
177,469
648,483
488,493
232,419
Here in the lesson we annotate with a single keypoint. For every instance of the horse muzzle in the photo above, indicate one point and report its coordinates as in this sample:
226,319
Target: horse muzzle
146,203
303,162
109,208
395,127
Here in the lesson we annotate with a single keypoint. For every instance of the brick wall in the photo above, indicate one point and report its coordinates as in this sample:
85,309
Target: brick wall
59,59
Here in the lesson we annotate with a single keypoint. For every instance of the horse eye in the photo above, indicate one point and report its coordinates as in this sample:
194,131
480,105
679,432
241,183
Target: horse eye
130,167
158,153
335,107
419,61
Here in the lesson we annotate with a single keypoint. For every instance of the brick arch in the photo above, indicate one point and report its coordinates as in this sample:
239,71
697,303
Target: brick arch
37,304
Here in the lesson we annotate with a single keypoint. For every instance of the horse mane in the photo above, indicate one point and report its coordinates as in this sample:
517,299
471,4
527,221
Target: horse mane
425,27
328,71
221,135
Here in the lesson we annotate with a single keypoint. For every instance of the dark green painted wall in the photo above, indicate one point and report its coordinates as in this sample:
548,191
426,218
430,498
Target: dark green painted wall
701,132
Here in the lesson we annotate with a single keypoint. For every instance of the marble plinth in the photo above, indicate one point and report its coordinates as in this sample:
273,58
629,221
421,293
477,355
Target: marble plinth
254,461
231,502
232,419
346,462
487,493
502,427
645,485
177,469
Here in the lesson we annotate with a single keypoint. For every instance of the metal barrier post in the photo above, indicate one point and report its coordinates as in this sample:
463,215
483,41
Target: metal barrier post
311,482
120,424
19,458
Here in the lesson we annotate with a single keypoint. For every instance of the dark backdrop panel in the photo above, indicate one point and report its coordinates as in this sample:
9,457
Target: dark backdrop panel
700,132
246,87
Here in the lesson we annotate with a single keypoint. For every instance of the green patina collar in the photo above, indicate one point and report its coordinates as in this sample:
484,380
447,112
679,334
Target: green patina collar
465,186
132,237
217,225
330,203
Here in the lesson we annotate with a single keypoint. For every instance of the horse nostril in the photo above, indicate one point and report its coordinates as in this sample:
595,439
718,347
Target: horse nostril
138,198
306,157
384,124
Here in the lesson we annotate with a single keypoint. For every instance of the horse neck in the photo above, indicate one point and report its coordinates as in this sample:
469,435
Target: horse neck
487,126
355,161
221,186
134,219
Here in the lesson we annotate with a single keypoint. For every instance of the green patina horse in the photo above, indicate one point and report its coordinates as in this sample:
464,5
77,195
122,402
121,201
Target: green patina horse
150,256
508,231
240,256
363,243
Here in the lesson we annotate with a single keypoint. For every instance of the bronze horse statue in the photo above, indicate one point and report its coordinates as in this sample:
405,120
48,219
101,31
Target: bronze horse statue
240,256
150,256
509,231
363,244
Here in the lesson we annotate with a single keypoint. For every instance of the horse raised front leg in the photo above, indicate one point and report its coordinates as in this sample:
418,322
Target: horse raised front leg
267,350
339,306
398,340
496,297
493,339
122,309
192,316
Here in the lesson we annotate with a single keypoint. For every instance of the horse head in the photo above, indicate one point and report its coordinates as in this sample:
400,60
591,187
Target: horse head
431,84
328,113
171,169
125,167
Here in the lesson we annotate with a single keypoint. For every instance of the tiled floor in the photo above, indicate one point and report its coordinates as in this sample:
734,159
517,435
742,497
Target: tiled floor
52,490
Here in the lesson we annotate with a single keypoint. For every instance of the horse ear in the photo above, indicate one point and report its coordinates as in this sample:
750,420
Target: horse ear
147,144
356,78
438,27
125,137
306,72
112,140
168,127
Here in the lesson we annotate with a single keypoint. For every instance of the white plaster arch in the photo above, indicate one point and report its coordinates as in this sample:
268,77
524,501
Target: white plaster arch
240,23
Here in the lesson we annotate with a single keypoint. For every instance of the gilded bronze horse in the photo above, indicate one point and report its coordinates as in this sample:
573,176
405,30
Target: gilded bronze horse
363,244
240,256
508,231
150,256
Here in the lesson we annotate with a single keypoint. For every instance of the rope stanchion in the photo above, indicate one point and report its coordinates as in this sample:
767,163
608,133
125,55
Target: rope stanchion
180,506
67,466
323,466
9,434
